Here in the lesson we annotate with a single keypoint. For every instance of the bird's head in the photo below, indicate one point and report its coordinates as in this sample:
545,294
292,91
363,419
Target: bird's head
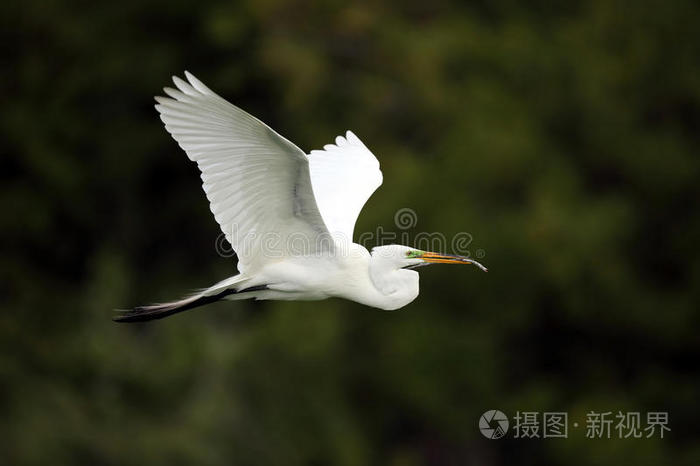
404,257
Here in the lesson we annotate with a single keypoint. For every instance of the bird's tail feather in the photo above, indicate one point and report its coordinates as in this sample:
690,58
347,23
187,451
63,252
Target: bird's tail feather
160,310
210,295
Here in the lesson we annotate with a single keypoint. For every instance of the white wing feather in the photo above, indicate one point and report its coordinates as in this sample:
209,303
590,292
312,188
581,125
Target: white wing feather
257,182
344,175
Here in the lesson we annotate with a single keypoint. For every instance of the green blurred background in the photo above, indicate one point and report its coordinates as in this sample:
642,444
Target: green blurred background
563,137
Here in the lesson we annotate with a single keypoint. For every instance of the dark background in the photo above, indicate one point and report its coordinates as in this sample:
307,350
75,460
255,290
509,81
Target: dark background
563,137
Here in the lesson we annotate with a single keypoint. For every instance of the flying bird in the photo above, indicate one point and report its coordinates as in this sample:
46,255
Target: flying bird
288,215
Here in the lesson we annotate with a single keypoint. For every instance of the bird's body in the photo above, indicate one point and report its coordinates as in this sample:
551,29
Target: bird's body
288,215
357,276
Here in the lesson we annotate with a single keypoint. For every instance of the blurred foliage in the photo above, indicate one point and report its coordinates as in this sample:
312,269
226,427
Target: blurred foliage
563,136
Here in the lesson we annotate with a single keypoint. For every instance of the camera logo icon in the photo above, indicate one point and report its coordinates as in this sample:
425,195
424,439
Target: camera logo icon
493,424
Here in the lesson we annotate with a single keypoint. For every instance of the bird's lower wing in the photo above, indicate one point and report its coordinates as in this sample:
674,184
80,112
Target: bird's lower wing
257,182
344,175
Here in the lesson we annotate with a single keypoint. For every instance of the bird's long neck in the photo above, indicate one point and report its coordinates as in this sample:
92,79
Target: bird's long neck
397,287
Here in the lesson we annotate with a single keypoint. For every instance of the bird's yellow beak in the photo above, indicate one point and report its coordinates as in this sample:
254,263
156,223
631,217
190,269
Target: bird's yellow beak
435,258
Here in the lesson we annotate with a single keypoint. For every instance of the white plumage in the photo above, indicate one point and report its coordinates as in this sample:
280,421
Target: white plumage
288,215
344,175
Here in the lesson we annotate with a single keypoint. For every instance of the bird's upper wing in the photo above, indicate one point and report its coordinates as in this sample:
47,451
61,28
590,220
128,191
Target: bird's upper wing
344,175
257,182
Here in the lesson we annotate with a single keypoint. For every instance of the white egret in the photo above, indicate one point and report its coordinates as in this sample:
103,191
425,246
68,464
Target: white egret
288,215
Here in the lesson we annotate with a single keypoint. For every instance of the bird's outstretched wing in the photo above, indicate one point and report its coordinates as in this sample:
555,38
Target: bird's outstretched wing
257,182
344,175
